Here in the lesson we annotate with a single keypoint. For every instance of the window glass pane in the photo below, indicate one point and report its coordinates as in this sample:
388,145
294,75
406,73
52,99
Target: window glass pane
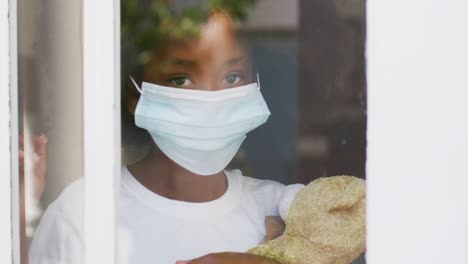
197,66
50,122
288,75
332,90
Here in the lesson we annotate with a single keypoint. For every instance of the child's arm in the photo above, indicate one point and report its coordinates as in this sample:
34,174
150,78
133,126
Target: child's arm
275,227
230,258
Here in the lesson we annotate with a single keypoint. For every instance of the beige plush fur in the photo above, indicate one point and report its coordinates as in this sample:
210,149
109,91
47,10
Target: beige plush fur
325,224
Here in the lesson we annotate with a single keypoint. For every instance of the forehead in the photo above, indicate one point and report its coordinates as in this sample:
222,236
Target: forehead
217,41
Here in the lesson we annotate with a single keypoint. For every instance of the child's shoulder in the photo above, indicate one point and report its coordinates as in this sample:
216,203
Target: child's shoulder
70,203
266,193
60,228
257,185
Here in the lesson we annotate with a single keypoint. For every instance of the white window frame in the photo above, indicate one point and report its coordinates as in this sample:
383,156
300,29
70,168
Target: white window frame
393,190
417,132
101,62
101,72
9,182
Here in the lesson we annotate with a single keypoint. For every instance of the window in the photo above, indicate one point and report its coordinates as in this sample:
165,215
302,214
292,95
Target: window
62,74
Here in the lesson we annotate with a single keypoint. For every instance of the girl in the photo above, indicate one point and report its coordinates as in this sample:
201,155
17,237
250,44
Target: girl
179,203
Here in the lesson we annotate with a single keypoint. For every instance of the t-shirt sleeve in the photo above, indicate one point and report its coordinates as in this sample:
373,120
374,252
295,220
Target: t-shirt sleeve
266,193
56,240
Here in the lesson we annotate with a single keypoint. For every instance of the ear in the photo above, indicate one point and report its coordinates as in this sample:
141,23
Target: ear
354,192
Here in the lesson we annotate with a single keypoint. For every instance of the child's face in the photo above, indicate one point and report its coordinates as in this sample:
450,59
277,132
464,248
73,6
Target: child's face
215,60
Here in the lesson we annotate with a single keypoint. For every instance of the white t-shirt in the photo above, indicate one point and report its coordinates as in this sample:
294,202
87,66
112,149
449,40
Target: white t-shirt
154,229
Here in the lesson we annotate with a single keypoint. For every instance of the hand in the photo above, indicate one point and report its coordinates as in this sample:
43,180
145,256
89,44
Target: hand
230,258
39,158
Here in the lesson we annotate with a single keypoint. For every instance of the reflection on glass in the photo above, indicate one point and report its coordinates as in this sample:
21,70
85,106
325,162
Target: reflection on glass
190,185
50,108
180,64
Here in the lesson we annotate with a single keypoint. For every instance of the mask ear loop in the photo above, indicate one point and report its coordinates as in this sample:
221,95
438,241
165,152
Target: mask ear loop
136,85
258,80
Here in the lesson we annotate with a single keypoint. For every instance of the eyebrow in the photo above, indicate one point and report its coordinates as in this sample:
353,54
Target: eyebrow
191,63
182,62
235,60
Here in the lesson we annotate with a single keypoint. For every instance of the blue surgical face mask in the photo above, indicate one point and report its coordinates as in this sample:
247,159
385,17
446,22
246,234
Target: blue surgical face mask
200,130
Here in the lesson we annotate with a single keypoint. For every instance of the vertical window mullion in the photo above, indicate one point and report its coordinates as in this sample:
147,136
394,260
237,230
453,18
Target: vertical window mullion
9,182
101,127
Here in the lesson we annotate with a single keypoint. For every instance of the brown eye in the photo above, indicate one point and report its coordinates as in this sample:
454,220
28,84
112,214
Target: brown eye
233,79
180,81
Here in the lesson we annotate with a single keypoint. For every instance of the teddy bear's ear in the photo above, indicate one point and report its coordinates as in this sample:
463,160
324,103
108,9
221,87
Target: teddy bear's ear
354,192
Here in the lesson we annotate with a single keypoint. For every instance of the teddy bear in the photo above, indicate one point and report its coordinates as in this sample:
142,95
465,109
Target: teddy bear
325,223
